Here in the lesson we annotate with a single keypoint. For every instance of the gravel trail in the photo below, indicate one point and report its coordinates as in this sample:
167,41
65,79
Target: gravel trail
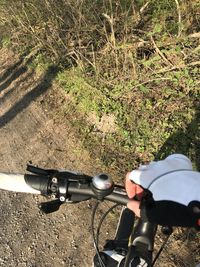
27,133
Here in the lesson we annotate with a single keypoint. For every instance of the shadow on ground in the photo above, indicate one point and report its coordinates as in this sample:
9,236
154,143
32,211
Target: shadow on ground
185,141
25,79
13,73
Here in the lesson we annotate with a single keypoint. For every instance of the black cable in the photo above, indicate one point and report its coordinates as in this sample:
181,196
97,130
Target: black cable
160,250
101,221
93,234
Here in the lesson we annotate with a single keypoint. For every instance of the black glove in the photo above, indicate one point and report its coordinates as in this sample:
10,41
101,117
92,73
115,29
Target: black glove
171,192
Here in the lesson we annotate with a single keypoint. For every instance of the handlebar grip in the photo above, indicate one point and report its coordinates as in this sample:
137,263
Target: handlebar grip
16,183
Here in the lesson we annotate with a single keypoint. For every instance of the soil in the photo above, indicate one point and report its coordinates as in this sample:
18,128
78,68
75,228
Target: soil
33,129
29,131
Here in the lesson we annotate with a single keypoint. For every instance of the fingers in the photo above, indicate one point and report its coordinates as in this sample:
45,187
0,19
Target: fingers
134,206
133,189
130,187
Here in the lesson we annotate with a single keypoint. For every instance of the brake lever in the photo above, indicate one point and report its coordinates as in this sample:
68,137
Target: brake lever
40,171
59,174
50,206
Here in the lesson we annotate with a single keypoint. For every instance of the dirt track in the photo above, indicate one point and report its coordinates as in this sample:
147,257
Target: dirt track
29,238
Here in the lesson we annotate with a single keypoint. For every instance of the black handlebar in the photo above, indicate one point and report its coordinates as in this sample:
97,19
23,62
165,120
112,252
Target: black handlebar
69,186
66,186
118,195
73,187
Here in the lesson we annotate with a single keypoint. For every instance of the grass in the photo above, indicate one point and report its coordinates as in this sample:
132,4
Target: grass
147,115
135,63
5,42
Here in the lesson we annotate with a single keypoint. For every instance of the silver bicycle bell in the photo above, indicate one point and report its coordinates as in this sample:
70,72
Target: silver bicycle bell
102,185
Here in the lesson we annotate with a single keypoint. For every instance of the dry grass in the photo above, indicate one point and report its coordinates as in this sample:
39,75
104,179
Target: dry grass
104,38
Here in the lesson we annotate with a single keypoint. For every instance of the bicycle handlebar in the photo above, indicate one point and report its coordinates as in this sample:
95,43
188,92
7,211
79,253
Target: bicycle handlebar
67,186
118,195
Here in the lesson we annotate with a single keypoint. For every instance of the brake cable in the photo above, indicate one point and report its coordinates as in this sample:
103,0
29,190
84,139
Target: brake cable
102,219
93,234
96,239
159,252
167,231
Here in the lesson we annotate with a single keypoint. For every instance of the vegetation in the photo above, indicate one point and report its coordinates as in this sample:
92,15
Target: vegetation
134,61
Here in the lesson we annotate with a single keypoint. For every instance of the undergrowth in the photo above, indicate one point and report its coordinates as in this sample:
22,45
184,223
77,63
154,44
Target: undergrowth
135,61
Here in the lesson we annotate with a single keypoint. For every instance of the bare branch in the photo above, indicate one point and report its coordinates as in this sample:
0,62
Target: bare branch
152,80
142,9
179,18
194,35
160,53
182,66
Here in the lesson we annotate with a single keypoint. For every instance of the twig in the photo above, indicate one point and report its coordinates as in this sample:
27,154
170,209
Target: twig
144,7
160,53
112,35
194,35
196,49
94,58
179,18
76,52
195,63
152,80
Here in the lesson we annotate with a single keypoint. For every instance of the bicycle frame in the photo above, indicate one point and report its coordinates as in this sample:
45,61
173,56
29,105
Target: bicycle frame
133,243
141,242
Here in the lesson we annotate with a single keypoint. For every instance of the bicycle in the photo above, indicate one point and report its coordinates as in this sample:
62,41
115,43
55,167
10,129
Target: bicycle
134,240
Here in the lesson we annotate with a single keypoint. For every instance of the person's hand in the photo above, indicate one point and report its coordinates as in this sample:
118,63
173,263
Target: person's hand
133,191
165,192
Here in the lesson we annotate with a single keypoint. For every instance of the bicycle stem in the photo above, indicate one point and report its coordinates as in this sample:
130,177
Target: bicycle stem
141,242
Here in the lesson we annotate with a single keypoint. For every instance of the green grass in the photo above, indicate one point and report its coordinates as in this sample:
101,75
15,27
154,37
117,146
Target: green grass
5,42
147,117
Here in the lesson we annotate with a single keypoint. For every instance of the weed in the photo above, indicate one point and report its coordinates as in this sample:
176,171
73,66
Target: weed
6,42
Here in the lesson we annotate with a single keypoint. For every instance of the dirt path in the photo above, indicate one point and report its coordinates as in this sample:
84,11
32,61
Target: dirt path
29,238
